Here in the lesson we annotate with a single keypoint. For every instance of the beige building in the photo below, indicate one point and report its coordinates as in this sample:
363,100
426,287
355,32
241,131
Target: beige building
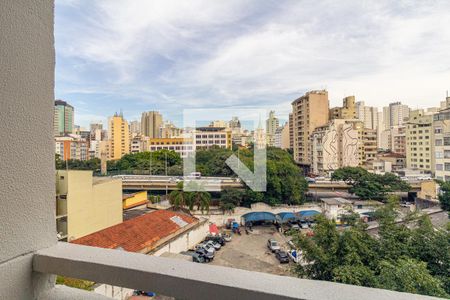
347,111
282,137
395,114
182,146
151,122
370,145
308,112
441,130
398,139
272,124
206,137
367,114
291,131
169,130
334,146
419,143
85,204
118,136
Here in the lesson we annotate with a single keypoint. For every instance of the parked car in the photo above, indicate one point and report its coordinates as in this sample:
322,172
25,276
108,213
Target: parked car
295,227
226,237
206,247
216,245
209,256
310,180
199,258
282,257
273,245
196,256
304,224
215,238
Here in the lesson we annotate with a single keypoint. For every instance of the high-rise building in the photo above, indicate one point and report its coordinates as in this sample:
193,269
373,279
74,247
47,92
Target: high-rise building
398,139
151,122
135,128
282,137
63,119
291,131
441,130
118,136
169,130
272,124
419,144
334,145
347,111
367,114
395,114
308,112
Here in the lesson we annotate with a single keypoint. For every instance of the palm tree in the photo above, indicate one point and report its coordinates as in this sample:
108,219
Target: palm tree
178,198
201,199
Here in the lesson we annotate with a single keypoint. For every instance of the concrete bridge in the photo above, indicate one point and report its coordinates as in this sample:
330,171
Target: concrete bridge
154,182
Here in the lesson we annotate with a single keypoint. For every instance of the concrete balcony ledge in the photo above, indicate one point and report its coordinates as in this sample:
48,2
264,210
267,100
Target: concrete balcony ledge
186,280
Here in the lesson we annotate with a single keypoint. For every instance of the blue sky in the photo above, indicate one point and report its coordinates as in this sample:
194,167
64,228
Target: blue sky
139,55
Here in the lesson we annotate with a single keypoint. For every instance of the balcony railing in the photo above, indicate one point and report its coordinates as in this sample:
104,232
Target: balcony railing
186,280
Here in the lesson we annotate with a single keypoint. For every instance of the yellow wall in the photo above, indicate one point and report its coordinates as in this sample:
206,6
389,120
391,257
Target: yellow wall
133,200
428,190
91,206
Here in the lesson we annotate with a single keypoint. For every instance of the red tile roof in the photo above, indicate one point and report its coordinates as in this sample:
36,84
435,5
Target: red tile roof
138,234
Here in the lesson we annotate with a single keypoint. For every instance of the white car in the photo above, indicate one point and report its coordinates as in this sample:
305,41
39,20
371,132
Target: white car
207,247
216,246
273,245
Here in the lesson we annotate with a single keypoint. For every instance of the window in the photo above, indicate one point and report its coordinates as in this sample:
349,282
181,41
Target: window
438,142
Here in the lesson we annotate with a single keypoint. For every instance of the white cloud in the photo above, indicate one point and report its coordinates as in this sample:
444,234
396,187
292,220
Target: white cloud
203,53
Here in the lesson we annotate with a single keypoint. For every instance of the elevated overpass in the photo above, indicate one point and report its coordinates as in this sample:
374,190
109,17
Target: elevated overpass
153,182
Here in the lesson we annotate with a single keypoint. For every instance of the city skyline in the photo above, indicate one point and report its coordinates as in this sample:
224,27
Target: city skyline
145,56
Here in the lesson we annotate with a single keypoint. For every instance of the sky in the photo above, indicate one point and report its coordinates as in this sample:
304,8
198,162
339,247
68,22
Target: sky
172,55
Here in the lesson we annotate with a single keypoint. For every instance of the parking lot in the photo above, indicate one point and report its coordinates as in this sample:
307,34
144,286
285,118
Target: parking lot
250,252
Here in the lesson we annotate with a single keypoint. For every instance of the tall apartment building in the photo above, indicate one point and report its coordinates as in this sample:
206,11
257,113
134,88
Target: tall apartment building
291,131
63,118
308,112
395,114
367,114
370,145
272,123
398,139
441,130
419,143
282,137
169,130
333,146
118,136
151,122
347,111
135,128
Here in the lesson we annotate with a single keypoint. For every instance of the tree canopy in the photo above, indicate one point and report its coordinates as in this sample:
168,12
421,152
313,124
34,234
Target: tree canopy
369,186
414,259
285,181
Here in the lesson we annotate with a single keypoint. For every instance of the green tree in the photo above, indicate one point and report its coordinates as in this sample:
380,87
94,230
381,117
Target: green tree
198,197
444,197
179,198
411,276
370,186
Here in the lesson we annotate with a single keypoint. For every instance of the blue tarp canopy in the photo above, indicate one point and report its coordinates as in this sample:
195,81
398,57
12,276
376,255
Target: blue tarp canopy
259,216
286,216
307,213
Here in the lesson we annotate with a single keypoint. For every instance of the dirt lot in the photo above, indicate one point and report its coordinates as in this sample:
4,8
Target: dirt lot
250,252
